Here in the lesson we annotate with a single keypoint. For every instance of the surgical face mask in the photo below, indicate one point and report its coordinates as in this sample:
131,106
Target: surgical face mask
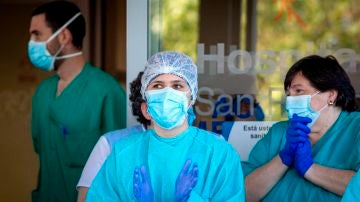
39,55
301,105
167,107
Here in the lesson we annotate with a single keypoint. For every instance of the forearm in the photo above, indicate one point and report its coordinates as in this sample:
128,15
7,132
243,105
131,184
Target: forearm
82,194
331,179
260,181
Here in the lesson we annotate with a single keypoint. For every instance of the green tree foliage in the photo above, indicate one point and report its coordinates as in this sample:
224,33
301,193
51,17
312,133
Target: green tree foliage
179,30
334,23
305,26
290,29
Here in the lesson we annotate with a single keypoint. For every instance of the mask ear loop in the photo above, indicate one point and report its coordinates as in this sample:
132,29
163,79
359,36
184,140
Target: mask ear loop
58,31
326,105
54,57
69,55
63,27
315,93
323,108
58,52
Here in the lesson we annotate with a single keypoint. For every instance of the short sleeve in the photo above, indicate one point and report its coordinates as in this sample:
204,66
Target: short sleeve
352,190
96,159
104,187
266,148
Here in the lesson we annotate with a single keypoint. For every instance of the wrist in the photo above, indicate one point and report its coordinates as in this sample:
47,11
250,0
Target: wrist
302,170
286,158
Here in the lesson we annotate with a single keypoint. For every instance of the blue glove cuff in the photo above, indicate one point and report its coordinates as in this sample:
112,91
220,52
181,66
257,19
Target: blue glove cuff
305,167
286,158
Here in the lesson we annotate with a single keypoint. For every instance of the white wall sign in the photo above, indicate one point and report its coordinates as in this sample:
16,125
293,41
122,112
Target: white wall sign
244,135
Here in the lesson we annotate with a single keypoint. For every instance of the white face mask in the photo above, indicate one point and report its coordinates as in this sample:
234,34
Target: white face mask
301,105
40,57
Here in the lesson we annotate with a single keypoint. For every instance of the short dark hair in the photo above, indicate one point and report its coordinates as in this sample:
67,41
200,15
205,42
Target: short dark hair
57,13
325,73
137,99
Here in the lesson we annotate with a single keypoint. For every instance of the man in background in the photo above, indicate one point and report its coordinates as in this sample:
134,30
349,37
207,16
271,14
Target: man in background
72,108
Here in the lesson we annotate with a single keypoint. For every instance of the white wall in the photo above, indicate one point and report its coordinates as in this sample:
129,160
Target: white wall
136,45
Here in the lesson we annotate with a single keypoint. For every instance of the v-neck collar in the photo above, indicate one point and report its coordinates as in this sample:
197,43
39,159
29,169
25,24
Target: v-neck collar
170,140
318,145
72,83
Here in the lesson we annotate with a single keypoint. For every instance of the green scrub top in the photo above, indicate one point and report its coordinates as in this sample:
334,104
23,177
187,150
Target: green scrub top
338,148
352,192
219,178
66,127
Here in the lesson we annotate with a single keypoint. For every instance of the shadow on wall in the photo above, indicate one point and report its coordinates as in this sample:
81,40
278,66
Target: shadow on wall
20,165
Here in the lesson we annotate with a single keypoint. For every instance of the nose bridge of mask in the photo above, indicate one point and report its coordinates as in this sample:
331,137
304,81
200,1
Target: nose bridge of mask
298,101
186,96
168,94
62,27
300,105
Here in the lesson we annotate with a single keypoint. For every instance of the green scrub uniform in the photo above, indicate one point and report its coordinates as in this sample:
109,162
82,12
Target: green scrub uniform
66,127
219,178
352,192
338,148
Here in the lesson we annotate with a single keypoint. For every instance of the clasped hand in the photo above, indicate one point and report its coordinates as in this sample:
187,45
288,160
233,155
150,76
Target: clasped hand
185,182
297,149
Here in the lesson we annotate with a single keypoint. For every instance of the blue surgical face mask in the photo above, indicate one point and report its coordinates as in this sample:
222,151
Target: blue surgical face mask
301,105
167,107
39,55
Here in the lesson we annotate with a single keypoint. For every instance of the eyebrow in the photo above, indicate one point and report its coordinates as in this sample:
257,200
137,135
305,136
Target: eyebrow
178,81
36,32
296,85
175,81
157,82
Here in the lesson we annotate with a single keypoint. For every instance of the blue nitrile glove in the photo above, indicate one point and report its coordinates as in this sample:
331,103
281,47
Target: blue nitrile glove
296,133
185,182
303,157
142,186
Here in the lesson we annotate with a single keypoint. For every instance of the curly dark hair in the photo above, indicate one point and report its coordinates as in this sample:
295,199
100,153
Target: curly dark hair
136,100
325,73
